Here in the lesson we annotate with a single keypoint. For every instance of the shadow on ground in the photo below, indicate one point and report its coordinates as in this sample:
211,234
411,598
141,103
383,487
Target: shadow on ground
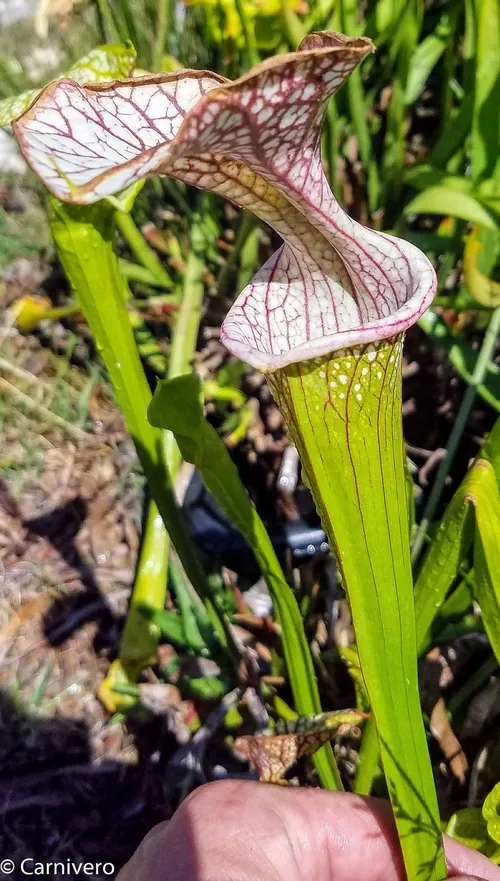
57,806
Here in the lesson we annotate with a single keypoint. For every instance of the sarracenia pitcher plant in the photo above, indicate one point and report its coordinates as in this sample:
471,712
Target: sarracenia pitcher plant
324,319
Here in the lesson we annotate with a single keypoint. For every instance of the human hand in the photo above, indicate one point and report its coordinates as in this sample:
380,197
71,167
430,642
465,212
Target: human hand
241,831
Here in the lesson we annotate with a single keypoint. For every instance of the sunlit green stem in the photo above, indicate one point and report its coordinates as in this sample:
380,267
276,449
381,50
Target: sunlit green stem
247,225
344,415
368,760
60,312
252,51
162,9
357,110
140,636
141,249
135,272
188,317
293,26
84,241
109,29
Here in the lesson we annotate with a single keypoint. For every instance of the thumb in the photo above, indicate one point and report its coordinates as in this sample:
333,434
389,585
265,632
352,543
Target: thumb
239,831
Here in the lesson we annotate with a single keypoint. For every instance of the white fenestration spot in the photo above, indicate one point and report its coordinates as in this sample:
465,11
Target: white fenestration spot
343,378
264,115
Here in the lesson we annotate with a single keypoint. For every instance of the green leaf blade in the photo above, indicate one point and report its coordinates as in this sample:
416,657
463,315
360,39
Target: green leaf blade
487,560
177,407
448,550
450,202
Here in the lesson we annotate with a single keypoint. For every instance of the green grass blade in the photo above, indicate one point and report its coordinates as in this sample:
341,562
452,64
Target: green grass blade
108,24
463,357
487,558
424,176
424,59
455,130
140,637
368,760
485,135
483,361
142,250
170,625
491,449
401,51
357,110
448,550
453,203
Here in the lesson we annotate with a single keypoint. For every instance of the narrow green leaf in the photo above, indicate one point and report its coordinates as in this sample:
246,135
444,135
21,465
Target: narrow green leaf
456,128
293,25
206,688
169,624
454,133
357,110
450,202
424,176
459,602
178,407
487,559
491,449
137,243
463,357
368,760
140,637
448,550
200,634
485,135
425,58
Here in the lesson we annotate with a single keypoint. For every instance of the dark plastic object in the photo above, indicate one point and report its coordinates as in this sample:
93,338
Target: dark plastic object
221,543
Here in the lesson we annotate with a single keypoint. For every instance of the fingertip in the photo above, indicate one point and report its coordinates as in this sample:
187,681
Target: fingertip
465,864
467,878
